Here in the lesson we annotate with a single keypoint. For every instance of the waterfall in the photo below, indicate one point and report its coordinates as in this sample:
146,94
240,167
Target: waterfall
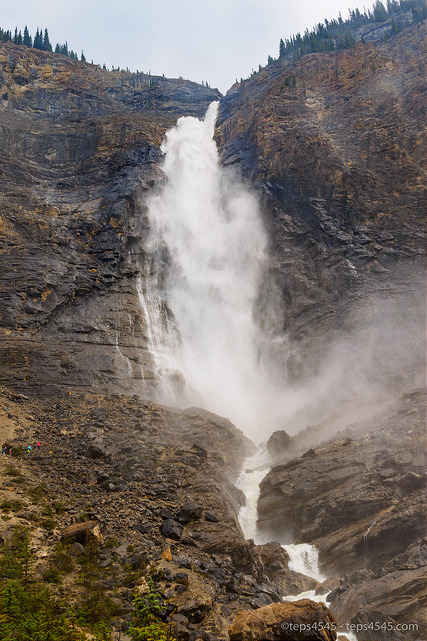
206,258
254,470
304,558
200,291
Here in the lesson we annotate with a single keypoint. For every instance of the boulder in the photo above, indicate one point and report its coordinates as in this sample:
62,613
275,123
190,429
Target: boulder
195,597
278,442
302,620
189,512
274,562
171,529
81,531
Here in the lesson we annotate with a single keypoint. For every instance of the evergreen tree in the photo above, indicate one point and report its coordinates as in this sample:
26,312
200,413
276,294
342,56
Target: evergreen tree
380,12
38,40
282,48
27,40
5,36
17,37
82,58
46,43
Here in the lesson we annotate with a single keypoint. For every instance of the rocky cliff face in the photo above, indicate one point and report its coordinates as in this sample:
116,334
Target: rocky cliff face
79,149
340,161
359,498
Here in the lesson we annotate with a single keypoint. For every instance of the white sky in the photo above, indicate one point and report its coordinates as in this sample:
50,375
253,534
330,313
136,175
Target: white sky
200,40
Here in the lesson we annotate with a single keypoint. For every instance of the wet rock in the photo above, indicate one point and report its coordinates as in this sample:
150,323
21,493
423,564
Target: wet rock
394,594
340,489
328,585
278,442
274,562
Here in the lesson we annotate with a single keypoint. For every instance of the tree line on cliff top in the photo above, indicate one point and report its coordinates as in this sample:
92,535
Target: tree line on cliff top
327,36
338,34
40,41
332,35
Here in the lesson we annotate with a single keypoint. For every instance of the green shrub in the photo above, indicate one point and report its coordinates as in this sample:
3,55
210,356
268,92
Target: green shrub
11,470
147,624
28,611
37,492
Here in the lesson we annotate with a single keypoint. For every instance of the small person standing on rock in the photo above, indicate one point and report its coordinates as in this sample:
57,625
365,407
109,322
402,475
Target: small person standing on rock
29,449
3,452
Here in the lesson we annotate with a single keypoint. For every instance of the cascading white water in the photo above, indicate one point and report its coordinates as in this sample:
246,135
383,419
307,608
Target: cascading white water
206,256
304,558
254,470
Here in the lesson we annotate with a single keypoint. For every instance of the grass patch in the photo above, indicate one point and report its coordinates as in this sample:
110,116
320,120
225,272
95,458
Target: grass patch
13,505
11,470
37,492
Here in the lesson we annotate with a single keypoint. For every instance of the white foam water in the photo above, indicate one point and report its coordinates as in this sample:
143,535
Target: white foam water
304,558
206,256
308,594
253,471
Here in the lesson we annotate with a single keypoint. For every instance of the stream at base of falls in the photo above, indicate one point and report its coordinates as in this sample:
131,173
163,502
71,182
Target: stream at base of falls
303,557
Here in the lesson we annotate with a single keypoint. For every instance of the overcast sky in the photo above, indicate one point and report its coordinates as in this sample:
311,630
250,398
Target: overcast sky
215,41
